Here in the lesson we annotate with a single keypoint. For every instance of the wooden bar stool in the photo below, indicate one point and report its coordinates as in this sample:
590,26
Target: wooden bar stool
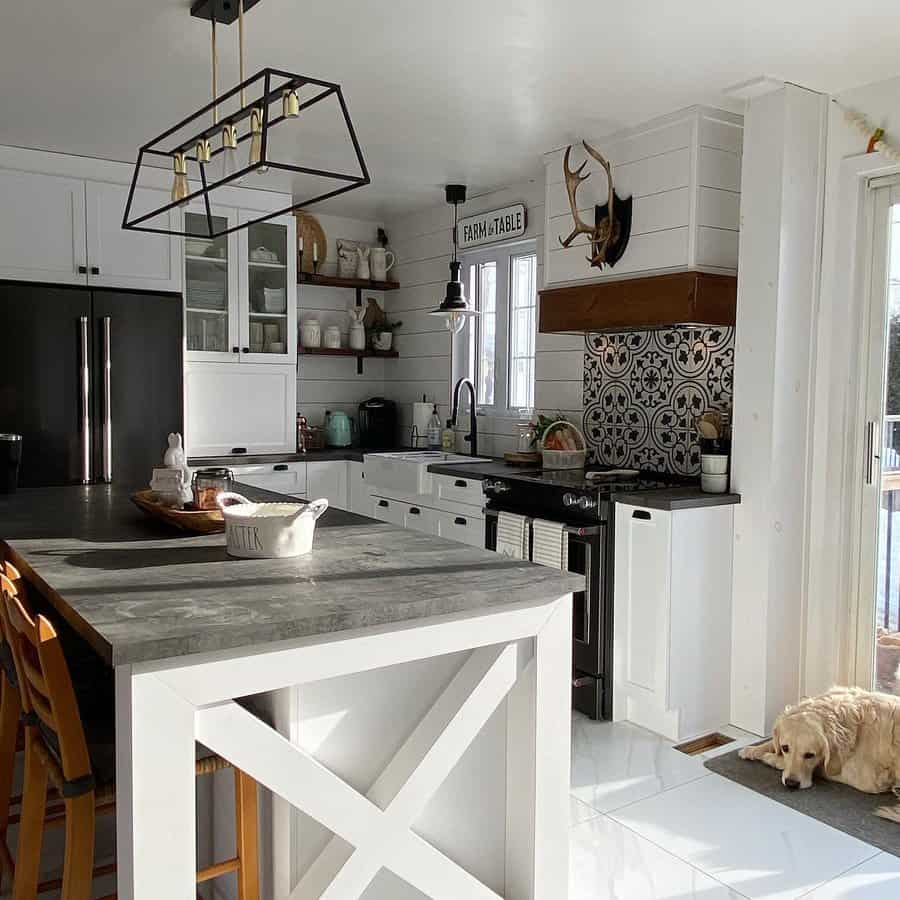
58,749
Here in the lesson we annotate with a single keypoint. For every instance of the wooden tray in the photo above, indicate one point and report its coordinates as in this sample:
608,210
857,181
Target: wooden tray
517,458
199,521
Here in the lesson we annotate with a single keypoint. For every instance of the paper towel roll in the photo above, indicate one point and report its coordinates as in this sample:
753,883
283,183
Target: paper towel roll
421,418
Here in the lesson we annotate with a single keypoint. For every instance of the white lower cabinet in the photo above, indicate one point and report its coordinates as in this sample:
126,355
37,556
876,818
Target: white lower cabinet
327,479
672,618
252,407
359,494
455,526
284,478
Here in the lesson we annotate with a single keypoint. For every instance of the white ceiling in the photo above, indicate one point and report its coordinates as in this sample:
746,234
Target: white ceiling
439,90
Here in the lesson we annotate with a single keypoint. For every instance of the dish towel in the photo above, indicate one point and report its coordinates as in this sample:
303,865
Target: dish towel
551,544
512,535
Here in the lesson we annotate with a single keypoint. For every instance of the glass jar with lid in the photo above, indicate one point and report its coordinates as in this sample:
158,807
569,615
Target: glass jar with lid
207,484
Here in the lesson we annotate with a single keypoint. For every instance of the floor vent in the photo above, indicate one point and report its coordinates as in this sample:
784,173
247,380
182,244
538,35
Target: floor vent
702,744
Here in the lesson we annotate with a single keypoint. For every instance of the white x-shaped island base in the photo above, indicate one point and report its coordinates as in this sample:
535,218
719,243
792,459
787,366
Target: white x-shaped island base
520,657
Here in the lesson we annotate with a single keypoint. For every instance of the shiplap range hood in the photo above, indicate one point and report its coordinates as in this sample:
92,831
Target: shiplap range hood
684,173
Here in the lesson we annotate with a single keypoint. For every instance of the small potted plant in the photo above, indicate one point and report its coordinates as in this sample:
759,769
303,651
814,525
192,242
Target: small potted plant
382,334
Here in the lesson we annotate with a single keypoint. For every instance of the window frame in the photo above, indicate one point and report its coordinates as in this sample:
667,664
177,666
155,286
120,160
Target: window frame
503,255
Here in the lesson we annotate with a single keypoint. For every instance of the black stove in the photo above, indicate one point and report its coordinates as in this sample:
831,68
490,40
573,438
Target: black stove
582,500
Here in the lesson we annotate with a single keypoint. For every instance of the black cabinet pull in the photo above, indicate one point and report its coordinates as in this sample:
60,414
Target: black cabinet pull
235,349
460,483
281,467
641,514
415,511
245,349
382,503
82,270
95,270
459,520
238,449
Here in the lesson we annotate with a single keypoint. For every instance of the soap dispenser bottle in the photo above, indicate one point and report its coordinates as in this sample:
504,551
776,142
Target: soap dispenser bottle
434,430
448,438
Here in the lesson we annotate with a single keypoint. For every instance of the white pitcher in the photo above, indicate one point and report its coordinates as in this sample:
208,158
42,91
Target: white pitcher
362,267
379,263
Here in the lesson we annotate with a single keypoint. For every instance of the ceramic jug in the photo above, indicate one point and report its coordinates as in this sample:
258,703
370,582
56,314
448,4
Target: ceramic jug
362,266
379,263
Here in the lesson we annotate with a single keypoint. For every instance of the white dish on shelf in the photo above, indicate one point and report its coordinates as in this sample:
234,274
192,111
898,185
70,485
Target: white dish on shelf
262,254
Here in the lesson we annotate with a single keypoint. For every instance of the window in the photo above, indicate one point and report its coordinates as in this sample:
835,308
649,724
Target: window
502,286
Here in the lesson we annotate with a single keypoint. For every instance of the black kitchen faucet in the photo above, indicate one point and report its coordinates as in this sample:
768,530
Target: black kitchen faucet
472,436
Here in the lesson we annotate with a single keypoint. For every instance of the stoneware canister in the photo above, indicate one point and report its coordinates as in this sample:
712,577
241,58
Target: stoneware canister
311,333
268,530
333,337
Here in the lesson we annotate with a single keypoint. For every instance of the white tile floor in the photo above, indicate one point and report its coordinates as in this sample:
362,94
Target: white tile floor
649,823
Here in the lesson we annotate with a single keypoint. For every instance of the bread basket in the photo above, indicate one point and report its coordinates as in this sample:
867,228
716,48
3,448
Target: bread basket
567,447
268,530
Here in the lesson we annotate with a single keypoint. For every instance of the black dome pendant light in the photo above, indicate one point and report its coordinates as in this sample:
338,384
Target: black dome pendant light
453,307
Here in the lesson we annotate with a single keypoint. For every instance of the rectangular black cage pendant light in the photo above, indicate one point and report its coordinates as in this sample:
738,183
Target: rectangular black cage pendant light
249,120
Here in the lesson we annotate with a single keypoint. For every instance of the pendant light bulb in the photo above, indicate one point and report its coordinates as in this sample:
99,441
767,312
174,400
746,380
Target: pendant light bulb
203,151
455,322
229,152
256,132
180,187
290,103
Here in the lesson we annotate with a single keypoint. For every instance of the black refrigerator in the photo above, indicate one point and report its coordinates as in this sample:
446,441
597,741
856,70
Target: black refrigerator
91,379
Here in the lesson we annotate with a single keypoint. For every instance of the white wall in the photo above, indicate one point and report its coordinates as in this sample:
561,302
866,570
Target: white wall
325,382
422,242
836,452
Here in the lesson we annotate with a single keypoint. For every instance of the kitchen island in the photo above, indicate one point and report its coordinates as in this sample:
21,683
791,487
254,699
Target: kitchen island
383,656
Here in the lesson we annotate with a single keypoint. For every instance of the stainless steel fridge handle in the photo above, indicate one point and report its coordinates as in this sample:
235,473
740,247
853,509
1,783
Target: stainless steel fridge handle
85,385
107,403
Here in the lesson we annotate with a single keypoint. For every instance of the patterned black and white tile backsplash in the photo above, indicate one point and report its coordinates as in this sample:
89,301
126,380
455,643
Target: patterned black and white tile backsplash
644,389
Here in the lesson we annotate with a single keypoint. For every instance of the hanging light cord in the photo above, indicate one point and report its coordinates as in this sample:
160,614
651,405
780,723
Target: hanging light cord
455,221
241,46
215,71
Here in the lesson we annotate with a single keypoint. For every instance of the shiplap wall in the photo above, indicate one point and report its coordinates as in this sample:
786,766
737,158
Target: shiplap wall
422,242
331,382
684,173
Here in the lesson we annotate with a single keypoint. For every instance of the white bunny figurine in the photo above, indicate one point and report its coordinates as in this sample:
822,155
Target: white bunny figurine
362,267
174,458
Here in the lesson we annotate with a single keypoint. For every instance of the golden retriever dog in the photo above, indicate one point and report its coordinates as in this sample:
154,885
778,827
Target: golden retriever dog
846,735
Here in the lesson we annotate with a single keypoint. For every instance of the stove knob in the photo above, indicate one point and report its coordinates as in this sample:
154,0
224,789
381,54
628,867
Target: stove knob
487,485
500,487
570,500
587,503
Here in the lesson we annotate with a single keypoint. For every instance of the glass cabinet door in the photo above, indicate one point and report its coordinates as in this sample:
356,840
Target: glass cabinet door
269,298
210,329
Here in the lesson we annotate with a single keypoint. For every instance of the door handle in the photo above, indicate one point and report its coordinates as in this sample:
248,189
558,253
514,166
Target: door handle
238,449
107,402
460,483
459,520
82,270
641,514
245,349
871,447
235,349
85,399
281,467
382,503
95,270
415,511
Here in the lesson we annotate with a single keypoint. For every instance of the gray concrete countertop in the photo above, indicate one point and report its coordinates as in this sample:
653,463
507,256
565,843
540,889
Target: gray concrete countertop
479,471
677,498
137,591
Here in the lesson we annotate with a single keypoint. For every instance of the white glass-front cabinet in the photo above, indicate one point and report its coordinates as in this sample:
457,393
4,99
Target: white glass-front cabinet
240,289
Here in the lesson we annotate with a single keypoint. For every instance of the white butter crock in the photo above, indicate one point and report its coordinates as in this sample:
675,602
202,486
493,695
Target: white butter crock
268,530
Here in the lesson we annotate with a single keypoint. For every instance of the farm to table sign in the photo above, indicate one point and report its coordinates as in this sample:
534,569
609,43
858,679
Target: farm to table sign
497,225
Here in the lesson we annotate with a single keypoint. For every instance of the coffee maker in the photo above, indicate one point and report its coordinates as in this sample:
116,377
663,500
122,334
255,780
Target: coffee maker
377,423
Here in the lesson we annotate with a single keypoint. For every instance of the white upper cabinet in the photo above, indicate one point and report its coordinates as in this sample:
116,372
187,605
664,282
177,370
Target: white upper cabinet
129,259
240,290
42,228
683,173
65,230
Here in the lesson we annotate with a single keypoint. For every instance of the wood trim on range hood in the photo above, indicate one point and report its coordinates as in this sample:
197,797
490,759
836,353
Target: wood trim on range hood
658,301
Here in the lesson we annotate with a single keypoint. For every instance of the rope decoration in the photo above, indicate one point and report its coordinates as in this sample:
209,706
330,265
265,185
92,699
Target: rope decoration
877,142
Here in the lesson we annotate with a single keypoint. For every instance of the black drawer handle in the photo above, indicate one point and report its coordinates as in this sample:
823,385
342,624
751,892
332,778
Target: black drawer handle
641,514
459,520
95,270
383,503
281,467
238,449
82,270
235,349
415,511
460,483
245,349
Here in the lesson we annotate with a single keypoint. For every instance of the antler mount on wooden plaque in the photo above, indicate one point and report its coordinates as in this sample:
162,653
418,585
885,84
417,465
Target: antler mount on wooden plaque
608,236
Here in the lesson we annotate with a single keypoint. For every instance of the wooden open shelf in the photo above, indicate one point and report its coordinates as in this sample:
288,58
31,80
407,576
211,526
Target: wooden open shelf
346,351
359,284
